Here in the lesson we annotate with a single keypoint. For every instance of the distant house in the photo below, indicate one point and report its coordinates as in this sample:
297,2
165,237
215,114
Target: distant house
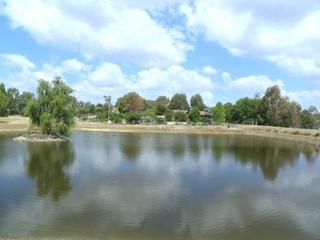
206,115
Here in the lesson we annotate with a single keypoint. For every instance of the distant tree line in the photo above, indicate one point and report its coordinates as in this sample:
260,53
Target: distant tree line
272,109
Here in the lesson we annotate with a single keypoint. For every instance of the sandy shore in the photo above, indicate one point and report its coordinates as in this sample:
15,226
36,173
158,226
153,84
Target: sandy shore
15,124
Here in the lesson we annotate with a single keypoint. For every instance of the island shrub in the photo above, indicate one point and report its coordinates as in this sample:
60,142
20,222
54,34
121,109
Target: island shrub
52,110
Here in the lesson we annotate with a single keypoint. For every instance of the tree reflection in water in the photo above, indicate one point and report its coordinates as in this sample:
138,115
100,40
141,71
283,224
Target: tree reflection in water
46,164
270,155
2,149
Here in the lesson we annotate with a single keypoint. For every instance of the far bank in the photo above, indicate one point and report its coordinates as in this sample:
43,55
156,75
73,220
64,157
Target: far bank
309,136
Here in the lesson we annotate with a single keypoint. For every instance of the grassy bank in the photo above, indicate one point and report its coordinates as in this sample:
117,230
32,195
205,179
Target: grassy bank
301,135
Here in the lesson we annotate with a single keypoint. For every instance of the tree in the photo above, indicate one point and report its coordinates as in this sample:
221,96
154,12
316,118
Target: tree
218,113
194,115
308,121
53,109
162,104
23,100
290,113
228,108
4,101
270,106
169,114
180,116
14,96
179,102
246,110
131,102
196,101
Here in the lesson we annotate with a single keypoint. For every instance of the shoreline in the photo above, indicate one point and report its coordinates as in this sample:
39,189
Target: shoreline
307,136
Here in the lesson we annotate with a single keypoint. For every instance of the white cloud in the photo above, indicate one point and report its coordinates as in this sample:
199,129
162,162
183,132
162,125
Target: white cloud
307,97
226,77
118,32
17,60
210,70
108,78
253,84
284,32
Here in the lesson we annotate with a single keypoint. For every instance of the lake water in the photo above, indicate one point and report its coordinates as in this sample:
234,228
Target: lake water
159,186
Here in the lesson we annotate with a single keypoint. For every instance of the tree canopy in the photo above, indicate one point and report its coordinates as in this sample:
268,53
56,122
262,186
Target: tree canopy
197,102
179,102
52,109
131,102
4,101
218,113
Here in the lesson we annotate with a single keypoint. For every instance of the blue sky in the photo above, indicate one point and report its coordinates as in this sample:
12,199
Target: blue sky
223,50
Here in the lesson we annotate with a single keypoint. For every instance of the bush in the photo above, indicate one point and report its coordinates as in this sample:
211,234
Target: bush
133,117
116,118
101,116
147,120
180,116
161,120
169,115
194,115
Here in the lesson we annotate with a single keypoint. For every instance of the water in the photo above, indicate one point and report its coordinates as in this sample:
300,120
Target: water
159,186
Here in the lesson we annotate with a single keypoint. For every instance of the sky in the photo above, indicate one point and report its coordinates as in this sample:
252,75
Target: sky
221,49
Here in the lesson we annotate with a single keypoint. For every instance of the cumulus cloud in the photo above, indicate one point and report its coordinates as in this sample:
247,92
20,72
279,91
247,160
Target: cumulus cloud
253,83
17,60
279,31
108,78
210,70
119,32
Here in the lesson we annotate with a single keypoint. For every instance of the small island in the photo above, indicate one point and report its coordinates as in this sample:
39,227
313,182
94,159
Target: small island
51,113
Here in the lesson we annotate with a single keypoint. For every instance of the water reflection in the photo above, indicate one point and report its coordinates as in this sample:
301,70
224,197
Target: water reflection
2,149
211,188
272,154
130,145
46,165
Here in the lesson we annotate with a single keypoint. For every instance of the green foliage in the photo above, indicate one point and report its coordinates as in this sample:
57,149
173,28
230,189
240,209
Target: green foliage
169,115
161,120
131,102
46,123
218,113
4,101
197,102
150,113
194,115
147,120
13,95
53,109
308,120
23,100
133,117
228,110
162,104
180,116
270,106
246,110
116,118
179,102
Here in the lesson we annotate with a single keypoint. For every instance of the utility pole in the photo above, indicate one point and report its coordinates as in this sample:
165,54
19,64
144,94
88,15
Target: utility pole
108,102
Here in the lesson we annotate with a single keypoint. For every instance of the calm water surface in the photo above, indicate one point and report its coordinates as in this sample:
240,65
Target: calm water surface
159,186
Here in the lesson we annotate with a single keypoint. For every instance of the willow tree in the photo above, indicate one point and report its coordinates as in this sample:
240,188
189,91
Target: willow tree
52,109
